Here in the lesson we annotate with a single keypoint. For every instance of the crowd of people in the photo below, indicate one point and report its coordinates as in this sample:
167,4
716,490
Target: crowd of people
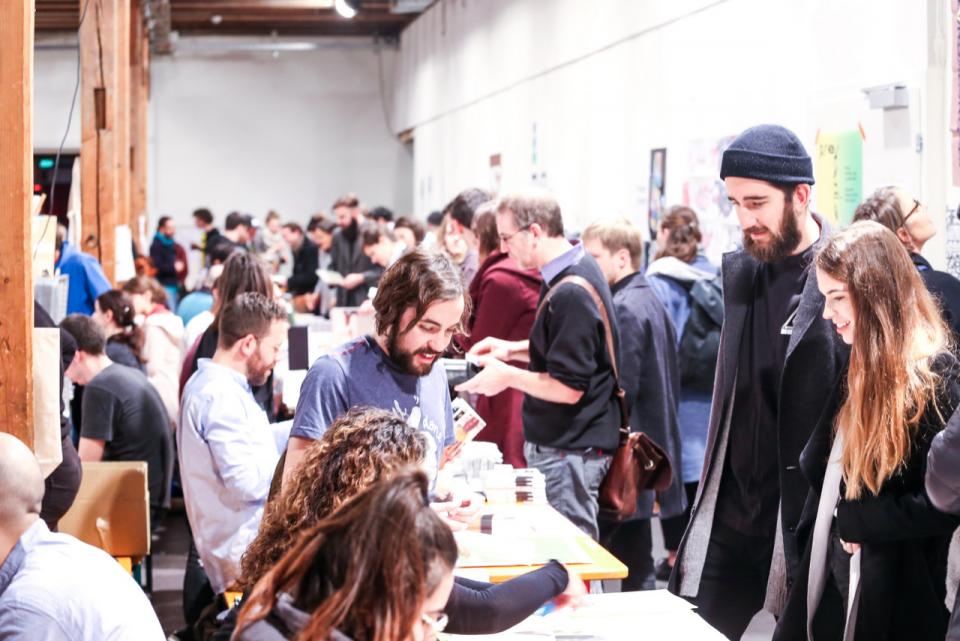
799,391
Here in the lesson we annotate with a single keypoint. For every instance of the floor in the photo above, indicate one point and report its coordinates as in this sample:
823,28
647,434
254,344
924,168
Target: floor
171,541
170,544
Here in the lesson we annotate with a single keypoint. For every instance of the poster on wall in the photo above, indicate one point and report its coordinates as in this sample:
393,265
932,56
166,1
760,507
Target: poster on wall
838,170
703,191
496,173
538,172
955,91
953,243
656,201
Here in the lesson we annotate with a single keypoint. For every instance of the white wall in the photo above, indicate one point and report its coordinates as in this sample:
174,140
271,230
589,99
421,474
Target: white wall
253,132
604,82
55,76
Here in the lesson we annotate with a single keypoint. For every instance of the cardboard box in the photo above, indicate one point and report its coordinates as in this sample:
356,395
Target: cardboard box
112,508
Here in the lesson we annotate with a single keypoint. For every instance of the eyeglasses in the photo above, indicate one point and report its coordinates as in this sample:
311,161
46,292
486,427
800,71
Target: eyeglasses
505,238
436,625
916,208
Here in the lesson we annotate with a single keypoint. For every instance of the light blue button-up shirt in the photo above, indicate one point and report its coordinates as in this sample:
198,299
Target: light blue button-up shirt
568,258
56,588
228,453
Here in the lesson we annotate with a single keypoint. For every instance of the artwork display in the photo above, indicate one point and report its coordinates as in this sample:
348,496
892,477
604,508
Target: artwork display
838,170
657,194
705,194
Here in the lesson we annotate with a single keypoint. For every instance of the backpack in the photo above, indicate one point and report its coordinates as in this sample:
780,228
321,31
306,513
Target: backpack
700,340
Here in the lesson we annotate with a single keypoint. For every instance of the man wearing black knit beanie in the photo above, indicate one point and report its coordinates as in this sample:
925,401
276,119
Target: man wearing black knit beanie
779,366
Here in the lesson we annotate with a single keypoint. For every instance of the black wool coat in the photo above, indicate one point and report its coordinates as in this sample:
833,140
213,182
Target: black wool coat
904,539
815,363
650,376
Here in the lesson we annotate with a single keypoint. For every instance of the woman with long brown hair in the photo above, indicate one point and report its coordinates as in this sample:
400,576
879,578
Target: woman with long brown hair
378,569
243,273
875,563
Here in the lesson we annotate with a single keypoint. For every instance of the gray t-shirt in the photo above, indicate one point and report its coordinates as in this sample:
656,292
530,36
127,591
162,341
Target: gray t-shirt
360,373
121,407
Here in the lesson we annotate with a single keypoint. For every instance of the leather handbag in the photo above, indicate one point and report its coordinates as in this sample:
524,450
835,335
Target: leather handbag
639,463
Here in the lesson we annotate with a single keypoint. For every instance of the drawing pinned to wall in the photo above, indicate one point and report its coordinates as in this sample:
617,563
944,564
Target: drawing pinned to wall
838,171
953,243
656,199
496,173
704,192
955,89
538,172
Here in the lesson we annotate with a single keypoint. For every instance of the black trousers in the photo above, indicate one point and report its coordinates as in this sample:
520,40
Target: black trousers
674,527
197,591
734,580
632,543
60,488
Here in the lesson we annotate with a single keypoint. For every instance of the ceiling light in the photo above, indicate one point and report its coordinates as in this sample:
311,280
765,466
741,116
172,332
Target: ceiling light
344,8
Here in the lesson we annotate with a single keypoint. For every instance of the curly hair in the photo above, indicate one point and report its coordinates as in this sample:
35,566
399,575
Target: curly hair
361,447
367,569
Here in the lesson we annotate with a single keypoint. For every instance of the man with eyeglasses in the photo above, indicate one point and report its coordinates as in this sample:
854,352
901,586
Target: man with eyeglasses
909,219
570,414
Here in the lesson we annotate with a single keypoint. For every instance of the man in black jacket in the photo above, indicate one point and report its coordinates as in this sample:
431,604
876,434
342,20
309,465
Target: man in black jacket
306,260
778,366
571,418
347,257
650,376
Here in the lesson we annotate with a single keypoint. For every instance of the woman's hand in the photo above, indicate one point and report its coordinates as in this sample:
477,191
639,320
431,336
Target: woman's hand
573,595
850,548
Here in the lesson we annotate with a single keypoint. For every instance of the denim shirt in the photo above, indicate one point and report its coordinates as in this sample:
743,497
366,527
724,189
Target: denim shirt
54,587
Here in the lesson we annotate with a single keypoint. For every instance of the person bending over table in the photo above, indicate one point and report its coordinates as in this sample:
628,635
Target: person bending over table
361,448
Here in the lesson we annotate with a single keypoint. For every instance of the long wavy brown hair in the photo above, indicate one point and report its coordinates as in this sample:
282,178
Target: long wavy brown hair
360,448
898,334
367,569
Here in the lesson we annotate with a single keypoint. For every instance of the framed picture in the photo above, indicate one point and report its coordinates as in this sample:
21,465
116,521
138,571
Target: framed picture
657,200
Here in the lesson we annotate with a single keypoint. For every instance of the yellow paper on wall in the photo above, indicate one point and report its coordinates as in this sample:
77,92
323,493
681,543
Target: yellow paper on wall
838,171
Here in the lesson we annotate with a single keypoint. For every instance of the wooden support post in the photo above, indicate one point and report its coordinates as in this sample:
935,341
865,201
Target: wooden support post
16,180
122,121
103,119
139,92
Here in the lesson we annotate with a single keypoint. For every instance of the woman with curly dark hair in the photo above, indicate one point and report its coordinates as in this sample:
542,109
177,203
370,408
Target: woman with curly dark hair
378,569
361,447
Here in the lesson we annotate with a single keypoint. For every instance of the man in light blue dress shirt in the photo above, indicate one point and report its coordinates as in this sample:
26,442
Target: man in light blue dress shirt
52,586
228,447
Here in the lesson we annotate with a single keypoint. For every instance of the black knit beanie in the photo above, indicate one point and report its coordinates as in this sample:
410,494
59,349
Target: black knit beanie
768,152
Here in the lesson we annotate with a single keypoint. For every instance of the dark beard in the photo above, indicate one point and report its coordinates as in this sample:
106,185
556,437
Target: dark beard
257,371
784,241
350,232
404,360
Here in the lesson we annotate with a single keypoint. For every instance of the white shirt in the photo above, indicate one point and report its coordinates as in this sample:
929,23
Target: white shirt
56,588
228,453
